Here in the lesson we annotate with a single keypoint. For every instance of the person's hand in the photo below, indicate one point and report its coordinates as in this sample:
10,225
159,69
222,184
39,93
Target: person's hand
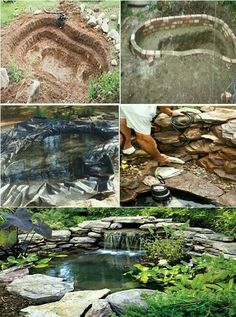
176,113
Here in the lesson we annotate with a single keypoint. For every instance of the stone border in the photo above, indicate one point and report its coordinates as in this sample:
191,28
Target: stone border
89,235
178,21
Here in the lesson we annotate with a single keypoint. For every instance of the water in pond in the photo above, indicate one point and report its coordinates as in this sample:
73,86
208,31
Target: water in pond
188,38
55,159
178,199
104,268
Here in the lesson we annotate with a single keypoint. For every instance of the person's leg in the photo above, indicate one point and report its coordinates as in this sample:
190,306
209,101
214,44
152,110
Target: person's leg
148,144
126,132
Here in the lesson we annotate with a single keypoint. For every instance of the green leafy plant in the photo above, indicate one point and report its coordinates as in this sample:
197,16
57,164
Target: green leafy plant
170,248
32,259
104,88
14,71
206,289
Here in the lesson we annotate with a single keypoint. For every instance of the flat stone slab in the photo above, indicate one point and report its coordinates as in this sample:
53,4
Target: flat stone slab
228,199
71,305
190,183
60,235
137,219
8,275
120,300
40,288
94,224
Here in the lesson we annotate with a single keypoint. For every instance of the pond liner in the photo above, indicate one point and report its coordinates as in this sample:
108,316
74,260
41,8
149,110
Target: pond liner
98,172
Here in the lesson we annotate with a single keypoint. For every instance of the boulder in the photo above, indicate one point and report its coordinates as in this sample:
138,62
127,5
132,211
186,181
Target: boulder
100,308
229,132
104,27
113,17
40,288
167,137
147,226
128,220
94,235
74,304
33,91
94,224
114,62
35,239
224,247
83,240
190,183
60,235
8,275
150,180
115,226
113,34
120,300
167,172
92,21
218,115
228,199
4,78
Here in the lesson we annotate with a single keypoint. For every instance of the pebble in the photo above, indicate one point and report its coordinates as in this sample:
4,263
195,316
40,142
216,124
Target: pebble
114,62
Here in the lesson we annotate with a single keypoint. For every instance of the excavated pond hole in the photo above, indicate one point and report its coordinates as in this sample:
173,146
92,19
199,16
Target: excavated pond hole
187,38
63,60
55,159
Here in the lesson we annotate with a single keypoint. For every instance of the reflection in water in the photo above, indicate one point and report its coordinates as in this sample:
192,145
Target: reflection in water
96,270
56,159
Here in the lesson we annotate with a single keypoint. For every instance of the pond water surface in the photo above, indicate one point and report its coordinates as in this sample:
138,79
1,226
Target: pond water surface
96,269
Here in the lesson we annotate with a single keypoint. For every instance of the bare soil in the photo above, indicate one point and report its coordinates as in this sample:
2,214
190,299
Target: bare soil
63,60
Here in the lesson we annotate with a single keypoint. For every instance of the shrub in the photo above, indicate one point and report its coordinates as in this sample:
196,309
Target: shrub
170,248
14,71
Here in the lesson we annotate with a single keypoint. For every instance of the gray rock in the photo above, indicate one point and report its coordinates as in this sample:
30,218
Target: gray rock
94,224
147,226
60,235
92,21
200,230
100,308
229,132
94,235
224,247
73,304
101,16
114,62
99,22
115,226
105,27
117,47
4,78
120,300
8,275
36,12
127,220
113,17
33,91
82,7
83,240
113,34
37,238
40,288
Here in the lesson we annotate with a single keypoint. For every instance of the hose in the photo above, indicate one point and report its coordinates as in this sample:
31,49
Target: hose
178,126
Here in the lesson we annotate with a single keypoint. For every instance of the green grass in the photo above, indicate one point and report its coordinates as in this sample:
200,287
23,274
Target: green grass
104,88
10,10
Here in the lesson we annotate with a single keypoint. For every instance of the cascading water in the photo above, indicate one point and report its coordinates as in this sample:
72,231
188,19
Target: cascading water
123,241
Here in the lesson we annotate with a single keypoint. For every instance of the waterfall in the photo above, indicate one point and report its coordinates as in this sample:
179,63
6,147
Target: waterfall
123,240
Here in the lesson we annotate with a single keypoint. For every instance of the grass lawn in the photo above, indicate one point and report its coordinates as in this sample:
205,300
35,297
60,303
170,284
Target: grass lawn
10,10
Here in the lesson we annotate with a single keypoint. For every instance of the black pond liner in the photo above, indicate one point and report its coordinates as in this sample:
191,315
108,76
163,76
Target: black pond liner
96,171
186,200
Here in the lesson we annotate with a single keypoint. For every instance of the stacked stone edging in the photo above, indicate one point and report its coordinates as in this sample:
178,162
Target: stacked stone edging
89,235
179,21
211,139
